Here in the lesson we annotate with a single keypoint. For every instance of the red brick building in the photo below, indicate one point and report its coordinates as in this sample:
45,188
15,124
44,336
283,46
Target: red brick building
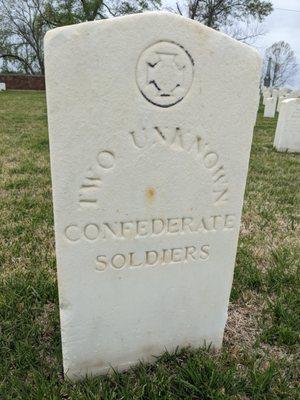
23,82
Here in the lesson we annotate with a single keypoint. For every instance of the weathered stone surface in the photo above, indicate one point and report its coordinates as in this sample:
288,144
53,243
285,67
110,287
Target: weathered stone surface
287,135
151,119
270,107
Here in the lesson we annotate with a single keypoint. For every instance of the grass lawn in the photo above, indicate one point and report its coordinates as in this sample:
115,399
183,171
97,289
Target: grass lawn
261,344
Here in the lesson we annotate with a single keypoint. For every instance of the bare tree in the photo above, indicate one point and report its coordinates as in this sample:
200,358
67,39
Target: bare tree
282,63
247,31
61,12
23,24
22,31
216,13
238,18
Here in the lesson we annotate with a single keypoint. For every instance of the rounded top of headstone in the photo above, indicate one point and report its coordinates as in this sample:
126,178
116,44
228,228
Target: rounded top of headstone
292,100
160,17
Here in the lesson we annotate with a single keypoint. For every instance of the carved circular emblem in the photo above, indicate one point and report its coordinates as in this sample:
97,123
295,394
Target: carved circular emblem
164,73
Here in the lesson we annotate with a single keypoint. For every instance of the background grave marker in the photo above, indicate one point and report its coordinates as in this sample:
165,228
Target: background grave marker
287,135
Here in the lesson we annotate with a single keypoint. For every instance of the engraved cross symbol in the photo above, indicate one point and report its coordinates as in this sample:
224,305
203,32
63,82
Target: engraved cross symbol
165,74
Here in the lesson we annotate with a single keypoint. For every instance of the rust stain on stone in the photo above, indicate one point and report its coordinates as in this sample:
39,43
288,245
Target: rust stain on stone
150,194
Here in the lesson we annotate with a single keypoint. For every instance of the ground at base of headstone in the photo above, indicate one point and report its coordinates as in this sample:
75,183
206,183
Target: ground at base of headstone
259,355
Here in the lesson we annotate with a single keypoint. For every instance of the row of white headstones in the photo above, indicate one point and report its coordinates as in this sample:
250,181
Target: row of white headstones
287,104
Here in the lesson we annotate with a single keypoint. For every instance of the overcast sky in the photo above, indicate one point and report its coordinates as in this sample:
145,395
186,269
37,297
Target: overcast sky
283,25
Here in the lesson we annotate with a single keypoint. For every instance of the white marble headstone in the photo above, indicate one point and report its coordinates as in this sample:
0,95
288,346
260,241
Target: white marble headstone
280,100
2,86
270,107
266,94
283,91
294,94
275,93
151,119
287,135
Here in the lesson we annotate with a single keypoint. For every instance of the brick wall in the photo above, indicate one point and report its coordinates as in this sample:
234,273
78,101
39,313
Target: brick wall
23,82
